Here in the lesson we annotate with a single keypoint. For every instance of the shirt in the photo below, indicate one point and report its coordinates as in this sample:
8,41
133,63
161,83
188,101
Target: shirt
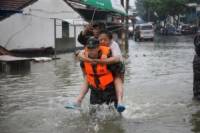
116,50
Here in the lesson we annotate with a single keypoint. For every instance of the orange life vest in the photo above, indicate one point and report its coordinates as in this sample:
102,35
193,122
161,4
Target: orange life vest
104,50
98,75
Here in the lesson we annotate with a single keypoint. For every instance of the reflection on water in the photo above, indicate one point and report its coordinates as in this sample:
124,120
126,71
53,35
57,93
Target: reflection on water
196,122
158,94
195,116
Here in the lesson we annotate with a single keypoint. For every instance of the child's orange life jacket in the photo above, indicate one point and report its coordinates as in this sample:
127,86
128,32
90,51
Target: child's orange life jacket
98,76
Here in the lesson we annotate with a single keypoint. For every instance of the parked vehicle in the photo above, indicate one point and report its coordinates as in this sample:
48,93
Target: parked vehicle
188,29
170,30
185,29
144,31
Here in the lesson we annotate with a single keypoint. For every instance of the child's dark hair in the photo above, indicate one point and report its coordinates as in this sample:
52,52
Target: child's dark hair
108,33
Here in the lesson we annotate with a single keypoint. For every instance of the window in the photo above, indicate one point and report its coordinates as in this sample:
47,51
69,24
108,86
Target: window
65,30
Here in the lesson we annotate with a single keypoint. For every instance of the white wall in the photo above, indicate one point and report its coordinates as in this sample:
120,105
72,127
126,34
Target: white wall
35,29
19,32
73,33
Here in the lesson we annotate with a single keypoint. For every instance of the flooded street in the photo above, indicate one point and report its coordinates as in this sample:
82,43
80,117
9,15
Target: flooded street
158,94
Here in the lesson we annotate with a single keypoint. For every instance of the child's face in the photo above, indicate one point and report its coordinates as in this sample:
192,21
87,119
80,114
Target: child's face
104,40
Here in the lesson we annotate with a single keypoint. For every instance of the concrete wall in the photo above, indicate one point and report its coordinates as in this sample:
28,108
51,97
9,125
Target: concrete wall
34,28
65,45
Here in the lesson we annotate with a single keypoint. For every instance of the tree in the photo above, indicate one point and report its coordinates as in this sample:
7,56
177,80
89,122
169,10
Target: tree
162,8
140,7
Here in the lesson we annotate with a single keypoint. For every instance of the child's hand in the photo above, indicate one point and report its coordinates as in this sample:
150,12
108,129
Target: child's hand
103,57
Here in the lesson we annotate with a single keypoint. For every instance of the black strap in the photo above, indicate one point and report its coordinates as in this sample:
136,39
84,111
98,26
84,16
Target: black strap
96,77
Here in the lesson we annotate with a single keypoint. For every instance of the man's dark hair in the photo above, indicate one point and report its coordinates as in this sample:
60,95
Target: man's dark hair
100,25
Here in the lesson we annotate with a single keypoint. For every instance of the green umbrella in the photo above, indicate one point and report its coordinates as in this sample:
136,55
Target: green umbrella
110,5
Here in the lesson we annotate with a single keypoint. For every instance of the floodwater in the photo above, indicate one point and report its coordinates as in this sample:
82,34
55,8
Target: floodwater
158,94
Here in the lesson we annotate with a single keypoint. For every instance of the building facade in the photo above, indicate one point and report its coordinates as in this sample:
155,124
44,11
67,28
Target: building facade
38,25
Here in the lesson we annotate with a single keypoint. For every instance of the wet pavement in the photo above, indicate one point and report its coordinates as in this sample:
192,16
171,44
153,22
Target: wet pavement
158,94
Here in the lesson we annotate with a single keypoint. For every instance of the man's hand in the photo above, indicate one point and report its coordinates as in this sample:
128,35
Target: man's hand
98,61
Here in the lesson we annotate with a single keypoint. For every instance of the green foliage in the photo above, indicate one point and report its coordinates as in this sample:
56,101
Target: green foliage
162,8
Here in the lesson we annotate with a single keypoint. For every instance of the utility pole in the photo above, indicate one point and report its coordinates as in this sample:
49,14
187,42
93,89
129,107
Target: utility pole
55,48
123,30
127,25
124,33
197,15
122,2
148,14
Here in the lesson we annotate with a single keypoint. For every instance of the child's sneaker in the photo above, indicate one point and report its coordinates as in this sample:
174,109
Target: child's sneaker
73,105
120,108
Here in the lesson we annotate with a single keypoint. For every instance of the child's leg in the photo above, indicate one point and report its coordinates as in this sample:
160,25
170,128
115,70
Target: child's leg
119,88
84,90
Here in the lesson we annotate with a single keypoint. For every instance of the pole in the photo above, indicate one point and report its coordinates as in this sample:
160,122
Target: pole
123,29
55,52
122,2
148,15
75,34
126,25
197,17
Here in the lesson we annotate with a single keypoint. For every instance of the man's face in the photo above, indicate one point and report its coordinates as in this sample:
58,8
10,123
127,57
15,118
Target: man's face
93,53
96,32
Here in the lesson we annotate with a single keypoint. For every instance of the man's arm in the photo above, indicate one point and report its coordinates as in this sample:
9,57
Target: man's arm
82,38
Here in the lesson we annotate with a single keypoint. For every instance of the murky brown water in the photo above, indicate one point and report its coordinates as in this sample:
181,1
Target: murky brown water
158,94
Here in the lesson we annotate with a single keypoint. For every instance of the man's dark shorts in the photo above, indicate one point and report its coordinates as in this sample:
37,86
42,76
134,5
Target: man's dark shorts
107,96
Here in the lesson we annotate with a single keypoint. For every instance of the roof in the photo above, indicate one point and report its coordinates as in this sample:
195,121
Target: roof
9,7
87,11
75,21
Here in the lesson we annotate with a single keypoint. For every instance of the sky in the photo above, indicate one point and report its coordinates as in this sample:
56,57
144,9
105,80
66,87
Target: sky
132,2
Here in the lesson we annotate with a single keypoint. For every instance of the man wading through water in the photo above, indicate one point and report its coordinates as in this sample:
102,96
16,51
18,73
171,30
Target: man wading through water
98,31
99,77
